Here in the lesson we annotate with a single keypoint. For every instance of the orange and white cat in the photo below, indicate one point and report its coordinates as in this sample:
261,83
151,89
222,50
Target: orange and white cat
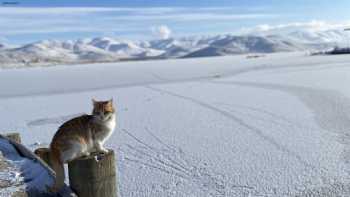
81,136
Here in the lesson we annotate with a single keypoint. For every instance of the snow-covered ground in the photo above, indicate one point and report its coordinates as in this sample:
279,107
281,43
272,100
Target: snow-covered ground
276,126
21,174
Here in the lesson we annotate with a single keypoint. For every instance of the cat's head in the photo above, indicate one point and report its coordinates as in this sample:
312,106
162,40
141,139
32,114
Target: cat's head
103,110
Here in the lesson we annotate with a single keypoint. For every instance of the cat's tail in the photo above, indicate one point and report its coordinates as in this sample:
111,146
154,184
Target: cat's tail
57,165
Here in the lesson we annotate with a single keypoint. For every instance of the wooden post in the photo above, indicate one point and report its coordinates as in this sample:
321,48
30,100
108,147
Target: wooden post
14,136
94,176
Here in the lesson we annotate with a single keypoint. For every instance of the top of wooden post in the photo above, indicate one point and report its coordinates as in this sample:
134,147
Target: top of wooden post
94,175
95,166
14,137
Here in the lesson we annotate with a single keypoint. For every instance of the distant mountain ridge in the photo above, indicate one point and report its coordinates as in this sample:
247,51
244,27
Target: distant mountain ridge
105,49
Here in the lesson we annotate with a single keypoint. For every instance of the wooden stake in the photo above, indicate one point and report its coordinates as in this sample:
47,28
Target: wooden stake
14,136
94,176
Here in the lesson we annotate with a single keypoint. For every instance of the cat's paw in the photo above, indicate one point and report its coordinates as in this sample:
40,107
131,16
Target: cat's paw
103,150
86,154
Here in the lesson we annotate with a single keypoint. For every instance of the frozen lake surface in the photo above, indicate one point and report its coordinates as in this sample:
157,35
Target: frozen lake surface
226,126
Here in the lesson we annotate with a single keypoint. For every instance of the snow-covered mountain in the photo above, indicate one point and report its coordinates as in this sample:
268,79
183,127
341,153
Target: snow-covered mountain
329,36
230,45
123,48
104,49
2,46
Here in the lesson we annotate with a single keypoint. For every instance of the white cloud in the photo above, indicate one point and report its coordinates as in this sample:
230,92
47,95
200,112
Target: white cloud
37,20
162,31
139,10
77,10
314,25
192,17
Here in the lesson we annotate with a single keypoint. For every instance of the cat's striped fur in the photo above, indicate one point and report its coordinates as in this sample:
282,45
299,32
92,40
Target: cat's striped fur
81,136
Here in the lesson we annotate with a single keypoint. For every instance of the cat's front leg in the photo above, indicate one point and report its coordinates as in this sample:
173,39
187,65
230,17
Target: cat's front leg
99,147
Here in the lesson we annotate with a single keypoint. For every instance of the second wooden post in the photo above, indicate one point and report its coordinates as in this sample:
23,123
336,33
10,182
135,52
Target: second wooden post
94,176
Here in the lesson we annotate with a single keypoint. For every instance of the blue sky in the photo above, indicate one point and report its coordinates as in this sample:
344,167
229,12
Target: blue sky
33,20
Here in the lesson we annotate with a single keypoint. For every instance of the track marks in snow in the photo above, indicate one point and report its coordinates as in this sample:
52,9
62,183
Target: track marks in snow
173,161
333,189
241,122
264,115
53,120
330,108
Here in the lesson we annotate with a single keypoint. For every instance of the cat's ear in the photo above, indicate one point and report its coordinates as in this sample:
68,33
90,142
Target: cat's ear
93,101
110,101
